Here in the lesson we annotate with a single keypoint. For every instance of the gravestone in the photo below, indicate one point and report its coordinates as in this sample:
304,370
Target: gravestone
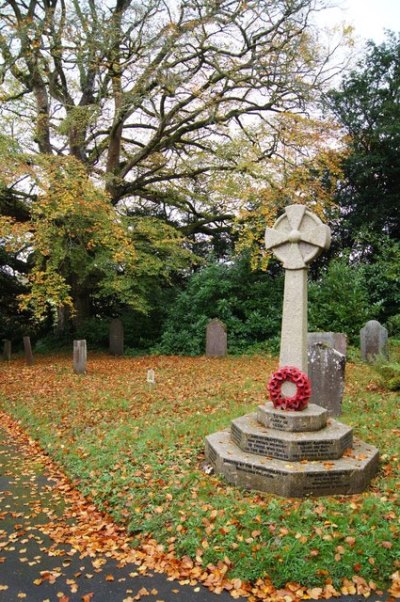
294,452
80,356
28,350
326,370
216,339
116,337
373,341
336,340
7,350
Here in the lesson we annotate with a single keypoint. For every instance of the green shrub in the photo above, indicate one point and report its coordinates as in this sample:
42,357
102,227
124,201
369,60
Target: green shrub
382,272
248,302
390,374
95,331
393,325
339,301
53,342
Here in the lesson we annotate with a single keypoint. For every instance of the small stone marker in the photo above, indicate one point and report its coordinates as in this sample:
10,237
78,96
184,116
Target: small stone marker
7,350
80,356
151,378
373,341
337,340
28,350
289,451
216,339
326,369
116,337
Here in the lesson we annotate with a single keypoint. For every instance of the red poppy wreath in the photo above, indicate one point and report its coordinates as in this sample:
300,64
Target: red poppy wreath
299,401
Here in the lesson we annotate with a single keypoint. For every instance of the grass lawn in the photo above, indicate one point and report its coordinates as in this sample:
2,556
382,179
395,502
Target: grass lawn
138,452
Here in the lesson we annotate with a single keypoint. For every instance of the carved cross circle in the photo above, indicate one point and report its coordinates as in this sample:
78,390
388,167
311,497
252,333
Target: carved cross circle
297,237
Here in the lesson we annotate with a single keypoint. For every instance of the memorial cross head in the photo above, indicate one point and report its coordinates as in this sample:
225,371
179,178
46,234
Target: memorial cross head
297,238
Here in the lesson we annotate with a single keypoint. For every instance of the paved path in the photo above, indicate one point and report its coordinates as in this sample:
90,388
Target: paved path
35,569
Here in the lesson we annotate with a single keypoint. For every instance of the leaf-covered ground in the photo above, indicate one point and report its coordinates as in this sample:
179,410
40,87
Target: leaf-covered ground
137,452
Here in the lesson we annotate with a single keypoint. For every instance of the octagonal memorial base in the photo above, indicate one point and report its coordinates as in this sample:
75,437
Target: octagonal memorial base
322,458
347,475
328,443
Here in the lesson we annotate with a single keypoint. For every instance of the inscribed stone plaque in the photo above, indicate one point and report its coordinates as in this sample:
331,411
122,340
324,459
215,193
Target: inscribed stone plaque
373,341
216,339
344,476
80,356
337,340
328,443
312,418
28,350
7,350
326,369
116,337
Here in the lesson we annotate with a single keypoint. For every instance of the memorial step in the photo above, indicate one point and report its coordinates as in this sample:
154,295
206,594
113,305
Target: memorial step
312,418
328,443
347,475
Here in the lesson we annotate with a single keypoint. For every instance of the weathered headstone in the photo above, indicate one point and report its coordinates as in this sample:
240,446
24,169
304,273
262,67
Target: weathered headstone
116,337
80,356
373,341
28,350
293,450
216,339
7,350
336,340
326,370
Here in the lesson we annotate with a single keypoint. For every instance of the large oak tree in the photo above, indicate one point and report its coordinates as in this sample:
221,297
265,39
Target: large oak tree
146,95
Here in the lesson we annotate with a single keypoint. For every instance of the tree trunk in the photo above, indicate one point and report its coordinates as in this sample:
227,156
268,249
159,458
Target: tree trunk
82,310
63,320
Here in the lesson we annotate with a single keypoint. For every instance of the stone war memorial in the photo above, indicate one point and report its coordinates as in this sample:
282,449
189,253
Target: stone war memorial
291,447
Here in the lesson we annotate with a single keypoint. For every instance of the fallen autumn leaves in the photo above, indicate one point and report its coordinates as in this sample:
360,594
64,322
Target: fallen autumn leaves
113,394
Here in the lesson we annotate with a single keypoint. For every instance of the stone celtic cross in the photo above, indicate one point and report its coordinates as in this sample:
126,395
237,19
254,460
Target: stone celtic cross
297,238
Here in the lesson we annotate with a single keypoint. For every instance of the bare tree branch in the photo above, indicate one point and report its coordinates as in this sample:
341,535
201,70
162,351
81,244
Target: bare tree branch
145,93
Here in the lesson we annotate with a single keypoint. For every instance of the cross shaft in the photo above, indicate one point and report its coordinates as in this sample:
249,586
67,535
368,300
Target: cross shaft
297,238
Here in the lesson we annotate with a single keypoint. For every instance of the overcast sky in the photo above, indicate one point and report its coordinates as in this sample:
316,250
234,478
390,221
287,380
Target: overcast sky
368,17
